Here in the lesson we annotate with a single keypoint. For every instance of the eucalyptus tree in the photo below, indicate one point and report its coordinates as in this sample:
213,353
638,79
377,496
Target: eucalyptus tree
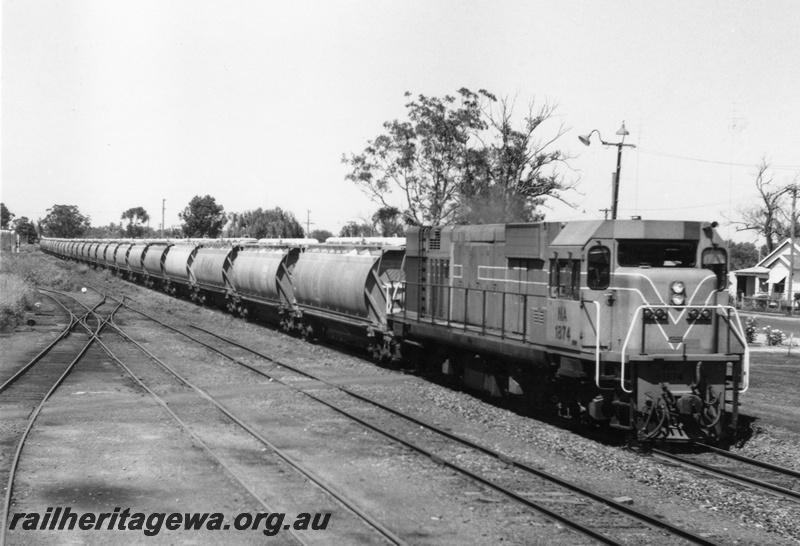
64,221
136,217
461,159
202,217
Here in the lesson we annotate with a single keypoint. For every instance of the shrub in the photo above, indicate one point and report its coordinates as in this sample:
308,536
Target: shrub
15,298
22,273
750,329
36,271
774,336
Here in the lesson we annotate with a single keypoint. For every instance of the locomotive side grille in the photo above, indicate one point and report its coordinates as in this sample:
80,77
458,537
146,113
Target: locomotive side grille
435,242
538,316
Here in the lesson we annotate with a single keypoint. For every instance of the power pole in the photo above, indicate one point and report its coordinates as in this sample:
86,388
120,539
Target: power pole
163,202
790,282
585,139
605,211
308,223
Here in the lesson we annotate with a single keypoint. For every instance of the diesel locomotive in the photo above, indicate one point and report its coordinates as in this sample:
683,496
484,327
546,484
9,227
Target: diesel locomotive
623,324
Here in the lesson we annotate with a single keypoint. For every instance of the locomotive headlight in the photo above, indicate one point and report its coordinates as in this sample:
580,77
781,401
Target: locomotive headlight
678,293
661,314
693,314
678,299
648,313
705,314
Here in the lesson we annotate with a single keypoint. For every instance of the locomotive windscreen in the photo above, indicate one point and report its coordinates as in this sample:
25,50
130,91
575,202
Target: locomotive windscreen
652,253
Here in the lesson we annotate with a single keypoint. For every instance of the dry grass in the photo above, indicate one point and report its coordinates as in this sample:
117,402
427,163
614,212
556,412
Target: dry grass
15,298
21,274
7,240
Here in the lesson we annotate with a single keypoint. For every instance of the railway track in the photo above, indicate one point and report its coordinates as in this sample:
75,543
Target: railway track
188,413
23,395
184,404
752,473
603,519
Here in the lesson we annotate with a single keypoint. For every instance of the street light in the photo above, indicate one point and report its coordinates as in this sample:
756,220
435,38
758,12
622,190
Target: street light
623,133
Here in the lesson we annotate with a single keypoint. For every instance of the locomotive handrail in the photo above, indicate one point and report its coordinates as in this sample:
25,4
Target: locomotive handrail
447,314
392,292
596,344
737,333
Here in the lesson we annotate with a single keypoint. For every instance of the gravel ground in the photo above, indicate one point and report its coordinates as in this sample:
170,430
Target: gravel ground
411,495
100,443
727,513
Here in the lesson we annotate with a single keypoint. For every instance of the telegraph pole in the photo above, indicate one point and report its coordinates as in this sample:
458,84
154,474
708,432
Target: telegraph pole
308,223
585,139
790,283
163,202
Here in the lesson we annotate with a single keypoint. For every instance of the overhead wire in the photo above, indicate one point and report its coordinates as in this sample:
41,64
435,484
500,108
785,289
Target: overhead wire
714,162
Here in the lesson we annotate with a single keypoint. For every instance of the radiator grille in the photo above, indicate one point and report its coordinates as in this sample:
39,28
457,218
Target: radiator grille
435,241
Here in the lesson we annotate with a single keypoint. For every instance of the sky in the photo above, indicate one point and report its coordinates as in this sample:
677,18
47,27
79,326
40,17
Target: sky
109,105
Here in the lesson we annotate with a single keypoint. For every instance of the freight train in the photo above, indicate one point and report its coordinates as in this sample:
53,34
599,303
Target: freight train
622,324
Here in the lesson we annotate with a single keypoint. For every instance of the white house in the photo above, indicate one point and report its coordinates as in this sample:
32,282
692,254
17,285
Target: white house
768,277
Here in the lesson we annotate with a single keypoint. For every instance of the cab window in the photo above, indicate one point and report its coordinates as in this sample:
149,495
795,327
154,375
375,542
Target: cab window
598,267
655,253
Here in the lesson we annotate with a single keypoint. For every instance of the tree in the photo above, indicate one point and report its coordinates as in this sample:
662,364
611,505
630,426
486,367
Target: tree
26,230
423,158
5,216
354,229
387,222
271,223
764,218
321,235
136,217
202,217
742,256
510,178
461,160
111,231
64,221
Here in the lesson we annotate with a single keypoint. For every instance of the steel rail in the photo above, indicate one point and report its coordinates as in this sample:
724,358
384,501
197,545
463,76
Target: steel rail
633,512
563,519
64,333
760,484
748,460
312,476
161,402
645,518
32,419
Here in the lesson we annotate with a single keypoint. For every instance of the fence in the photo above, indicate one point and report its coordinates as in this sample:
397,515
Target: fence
766,303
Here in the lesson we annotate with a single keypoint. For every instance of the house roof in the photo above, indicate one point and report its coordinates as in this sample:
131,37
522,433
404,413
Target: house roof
782,253
755,271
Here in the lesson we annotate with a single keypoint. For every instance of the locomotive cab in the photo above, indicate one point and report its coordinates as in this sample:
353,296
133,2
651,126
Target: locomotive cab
647,298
